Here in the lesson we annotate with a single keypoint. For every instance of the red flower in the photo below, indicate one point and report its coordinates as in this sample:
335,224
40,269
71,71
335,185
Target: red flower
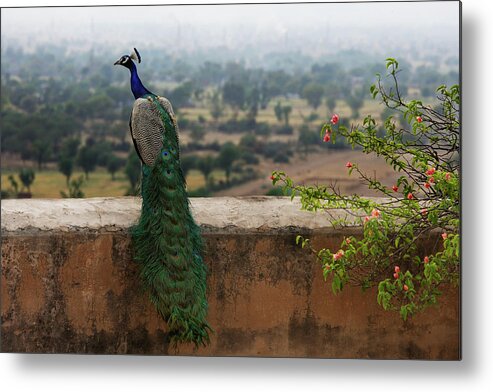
419,119
272,178
349,165
335,119
396,275
338,255
367,218
395,188
431,180
327,137
424,211
348,241
405,287
397,269
447,176
430,171
444,236
427,185
410,196
426,260
375,213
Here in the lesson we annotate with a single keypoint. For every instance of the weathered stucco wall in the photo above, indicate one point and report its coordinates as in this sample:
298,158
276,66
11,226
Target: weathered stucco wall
69,285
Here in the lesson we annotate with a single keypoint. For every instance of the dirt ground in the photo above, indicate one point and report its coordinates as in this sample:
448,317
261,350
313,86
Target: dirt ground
327,167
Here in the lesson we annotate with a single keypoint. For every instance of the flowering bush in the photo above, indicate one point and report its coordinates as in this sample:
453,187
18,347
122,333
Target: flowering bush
422,204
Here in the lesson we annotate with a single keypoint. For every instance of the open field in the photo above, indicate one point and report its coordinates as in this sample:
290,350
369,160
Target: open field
49,183
299,106
322,167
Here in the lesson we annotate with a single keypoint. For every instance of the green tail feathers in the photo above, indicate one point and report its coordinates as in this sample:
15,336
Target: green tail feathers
168,245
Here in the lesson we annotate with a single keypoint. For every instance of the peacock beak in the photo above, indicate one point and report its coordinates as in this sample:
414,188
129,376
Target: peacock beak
117,62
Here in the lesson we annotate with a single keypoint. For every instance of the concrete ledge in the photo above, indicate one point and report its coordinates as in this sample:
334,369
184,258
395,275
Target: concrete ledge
69,285
119,213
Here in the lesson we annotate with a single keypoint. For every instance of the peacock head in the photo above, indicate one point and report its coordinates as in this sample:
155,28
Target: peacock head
126,60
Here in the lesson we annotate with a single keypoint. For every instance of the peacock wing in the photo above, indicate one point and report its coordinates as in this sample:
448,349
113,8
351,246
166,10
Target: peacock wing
147,130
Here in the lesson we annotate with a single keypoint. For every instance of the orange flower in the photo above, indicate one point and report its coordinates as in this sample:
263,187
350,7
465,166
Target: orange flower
410,196
430,171
375,213
419,119
405,287
426,260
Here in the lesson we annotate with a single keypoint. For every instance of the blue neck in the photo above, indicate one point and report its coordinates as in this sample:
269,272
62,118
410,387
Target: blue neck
136,85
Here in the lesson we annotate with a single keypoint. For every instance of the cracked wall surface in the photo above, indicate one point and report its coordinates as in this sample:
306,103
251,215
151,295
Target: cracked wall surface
69,285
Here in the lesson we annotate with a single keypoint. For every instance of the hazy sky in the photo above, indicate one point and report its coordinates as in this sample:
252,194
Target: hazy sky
203,25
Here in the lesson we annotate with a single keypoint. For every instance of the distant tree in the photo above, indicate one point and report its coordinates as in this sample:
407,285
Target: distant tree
286,111
87,159
355,102
234,96
70,146
196,130
27,178
228,154
97,106
66,166
119,130
210,73
66,159
253,100
113,164
180,96
42,151
278,111
281,158
248,142
29,103
103,151
206,166
307,138
188,162
265,95
132,170
216,105
313,93
331,95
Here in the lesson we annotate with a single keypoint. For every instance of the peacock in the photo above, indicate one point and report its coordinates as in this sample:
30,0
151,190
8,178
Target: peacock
166,240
